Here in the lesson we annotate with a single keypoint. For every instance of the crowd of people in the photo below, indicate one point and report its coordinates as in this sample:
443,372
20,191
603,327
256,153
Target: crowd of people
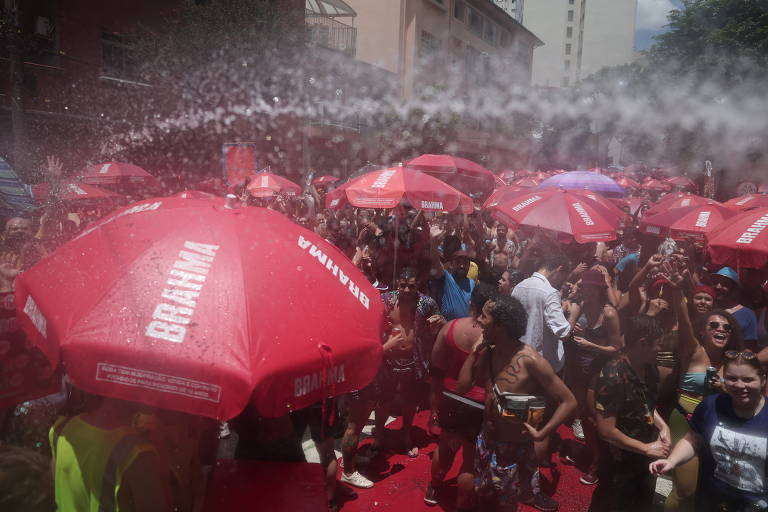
652,355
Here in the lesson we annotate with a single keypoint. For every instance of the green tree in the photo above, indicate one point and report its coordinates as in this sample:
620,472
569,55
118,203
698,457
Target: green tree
726,38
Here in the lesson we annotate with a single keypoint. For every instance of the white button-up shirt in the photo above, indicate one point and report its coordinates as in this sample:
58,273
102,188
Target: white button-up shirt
546,322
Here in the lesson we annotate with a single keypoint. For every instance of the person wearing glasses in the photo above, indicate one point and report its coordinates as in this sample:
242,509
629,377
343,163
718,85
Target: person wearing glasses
701,345
729,434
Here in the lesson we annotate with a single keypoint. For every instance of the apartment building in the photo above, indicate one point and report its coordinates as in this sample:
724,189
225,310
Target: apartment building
454,44
580,37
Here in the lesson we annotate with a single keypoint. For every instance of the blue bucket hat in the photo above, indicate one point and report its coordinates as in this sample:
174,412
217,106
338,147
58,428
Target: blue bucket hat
729,273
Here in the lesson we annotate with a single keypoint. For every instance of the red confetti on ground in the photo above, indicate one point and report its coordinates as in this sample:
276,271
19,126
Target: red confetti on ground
400,482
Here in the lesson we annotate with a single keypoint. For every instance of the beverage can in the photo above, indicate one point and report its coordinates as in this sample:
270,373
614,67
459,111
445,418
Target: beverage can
711,372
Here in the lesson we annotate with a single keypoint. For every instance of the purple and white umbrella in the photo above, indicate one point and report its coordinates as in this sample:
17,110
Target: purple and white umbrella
584,180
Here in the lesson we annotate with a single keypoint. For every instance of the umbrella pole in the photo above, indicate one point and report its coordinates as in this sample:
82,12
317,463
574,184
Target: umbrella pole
397,246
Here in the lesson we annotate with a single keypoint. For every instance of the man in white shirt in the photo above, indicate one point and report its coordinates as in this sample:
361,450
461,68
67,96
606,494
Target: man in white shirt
547,325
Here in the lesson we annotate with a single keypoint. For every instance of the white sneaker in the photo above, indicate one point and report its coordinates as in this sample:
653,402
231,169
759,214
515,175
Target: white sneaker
578,431
356,480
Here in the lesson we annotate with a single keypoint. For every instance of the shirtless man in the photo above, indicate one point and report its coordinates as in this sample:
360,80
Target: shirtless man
459,417
504,365
409,342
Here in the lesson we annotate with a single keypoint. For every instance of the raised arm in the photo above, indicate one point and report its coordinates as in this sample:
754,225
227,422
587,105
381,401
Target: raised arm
635,297
436,235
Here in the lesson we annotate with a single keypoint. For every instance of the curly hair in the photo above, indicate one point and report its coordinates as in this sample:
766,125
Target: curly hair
509,313
25,481
736,340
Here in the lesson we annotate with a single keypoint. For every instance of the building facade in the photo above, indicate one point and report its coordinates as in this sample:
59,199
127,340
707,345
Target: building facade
456,45
580,37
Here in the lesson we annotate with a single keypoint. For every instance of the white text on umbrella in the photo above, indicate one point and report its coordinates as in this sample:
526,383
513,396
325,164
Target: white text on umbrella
185,285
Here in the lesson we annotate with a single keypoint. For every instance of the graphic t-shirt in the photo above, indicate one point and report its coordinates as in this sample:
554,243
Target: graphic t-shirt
734,452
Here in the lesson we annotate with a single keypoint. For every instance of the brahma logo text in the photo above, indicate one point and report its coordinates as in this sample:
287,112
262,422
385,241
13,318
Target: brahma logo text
752,231
185,284
703,219
333,268
525,203
309,383
432,205
383,179
583,214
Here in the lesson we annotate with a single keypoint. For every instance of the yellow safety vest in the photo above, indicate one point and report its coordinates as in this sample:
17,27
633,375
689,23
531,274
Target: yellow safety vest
90,463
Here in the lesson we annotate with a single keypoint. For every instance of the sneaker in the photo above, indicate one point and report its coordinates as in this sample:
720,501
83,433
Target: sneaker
542,502
578,431
356,480
430,497
589,478
224,432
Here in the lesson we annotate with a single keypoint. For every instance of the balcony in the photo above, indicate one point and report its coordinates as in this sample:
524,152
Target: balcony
329,33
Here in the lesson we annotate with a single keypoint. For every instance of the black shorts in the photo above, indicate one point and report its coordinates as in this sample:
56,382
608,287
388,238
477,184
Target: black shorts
312,417
460,415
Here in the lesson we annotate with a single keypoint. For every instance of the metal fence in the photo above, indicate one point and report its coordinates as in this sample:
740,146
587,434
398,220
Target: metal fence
327,32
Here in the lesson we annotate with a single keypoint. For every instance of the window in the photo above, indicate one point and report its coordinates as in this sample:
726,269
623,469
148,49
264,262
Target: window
491,33
475,20
430,45
569,32
458,10
570,15
566,81
570,2
116,55
567,65
568,49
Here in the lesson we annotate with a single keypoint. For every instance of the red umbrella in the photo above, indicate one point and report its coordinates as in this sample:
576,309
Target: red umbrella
188,305
499,181
118,173
73,191
741,241
526,182
603,204
567,213
693,221
325,180
634,203
509,175
656,185
627,182
748,201
681,182
501,194
463,174
386,188
676,200
266,184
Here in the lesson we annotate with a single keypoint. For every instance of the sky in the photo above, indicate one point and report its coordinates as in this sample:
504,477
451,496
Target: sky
651,20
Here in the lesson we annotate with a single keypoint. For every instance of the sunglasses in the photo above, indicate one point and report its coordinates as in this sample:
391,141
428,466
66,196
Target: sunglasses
716,325
747,355
405,286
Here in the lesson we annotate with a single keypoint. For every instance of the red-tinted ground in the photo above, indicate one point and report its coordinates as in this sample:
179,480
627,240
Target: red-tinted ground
401,481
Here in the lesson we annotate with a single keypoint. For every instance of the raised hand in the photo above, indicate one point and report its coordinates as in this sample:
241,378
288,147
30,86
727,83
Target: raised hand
436,232
54,167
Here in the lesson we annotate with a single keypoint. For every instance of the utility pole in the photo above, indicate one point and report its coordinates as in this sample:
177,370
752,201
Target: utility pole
18,121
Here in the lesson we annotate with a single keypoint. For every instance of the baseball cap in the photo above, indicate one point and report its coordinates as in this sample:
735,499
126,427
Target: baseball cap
729,273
